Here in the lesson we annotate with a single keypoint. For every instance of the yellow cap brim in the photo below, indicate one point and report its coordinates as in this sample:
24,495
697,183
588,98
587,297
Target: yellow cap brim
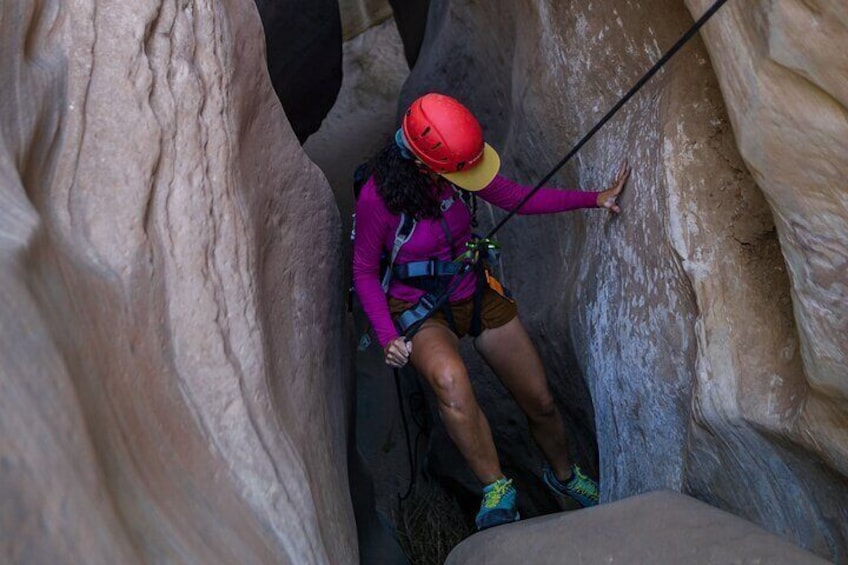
481,174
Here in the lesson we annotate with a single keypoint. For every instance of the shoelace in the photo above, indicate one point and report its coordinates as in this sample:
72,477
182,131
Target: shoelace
499,490
583,485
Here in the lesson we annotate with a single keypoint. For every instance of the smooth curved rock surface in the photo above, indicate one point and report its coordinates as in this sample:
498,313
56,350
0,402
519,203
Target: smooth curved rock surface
778,66
355,129
166,392
166,388
783,71
678,314
662,528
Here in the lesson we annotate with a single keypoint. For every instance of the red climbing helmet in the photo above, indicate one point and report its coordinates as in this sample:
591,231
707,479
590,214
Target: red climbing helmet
447,138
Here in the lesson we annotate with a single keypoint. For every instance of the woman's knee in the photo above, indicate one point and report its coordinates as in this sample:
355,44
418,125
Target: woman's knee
452,387
541,408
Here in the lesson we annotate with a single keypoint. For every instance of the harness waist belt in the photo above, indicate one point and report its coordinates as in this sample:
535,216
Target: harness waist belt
430,268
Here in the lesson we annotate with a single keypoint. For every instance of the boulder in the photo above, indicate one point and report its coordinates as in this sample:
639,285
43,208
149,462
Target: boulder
660,527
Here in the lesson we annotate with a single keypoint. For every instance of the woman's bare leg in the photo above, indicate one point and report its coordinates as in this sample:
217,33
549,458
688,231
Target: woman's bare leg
512,356
435,355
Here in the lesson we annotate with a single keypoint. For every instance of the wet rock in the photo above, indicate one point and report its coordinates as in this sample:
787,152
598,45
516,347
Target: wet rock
167,389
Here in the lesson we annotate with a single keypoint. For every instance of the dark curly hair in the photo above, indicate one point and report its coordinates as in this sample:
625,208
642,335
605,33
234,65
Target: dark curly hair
403,185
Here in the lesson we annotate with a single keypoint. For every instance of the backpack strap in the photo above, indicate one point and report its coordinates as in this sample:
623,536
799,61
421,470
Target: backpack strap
360,177
404,231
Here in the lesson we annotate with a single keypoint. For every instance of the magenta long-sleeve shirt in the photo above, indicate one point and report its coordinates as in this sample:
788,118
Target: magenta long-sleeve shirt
375,233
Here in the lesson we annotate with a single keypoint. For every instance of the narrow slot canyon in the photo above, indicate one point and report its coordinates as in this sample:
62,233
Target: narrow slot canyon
181,375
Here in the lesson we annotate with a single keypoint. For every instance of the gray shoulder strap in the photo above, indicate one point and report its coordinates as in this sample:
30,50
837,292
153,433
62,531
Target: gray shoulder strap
404,231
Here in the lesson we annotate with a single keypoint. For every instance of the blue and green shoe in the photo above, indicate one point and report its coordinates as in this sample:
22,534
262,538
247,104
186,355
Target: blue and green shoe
580,486
498,505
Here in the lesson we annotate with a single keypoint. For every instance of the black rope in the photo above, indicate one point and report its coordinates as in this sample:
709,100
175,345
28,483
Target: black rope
690,33
412,469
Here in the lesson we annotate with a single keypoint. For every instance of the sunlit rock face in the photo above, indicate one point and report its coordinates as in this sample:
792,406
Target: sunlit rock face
707,372
169,272
783,71
304,45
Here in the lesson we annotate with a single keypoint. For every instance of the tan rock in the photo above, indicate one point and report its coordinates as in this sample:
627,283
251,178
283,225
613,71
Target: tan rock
659,527
167,391
782,69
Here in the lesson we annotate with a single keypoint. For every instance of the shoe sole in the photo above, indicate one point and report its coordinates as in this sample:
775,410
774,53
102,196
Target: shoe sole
516,519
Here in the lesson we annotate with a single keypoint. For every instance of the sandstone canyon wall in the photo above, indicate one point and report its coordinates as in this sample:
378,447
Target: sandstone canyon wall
166,394
782,67
172,379
711,370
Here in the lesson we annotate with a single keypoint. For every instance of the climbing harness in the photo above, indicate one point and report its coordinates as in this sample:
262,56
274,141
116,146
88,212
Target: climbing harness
480,255
433,276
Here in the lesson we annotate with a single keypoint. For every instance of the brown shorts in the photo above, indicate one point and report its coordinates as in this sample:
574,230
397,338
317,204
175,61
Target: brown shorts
495,311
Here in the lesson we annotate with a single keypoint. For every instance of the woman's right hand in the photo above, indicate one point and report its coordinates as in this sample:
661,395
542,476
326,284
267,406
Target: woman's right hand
397,352
608,198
